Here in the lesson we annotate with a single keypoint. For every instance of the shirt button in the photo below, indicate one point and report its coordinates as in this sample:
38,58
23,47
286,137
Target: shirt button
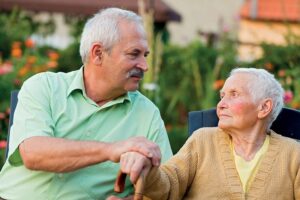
88,133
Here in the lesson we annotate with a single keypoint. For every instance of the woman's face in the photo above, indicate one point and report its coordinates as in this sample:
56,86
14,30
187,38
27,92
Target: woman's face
236,109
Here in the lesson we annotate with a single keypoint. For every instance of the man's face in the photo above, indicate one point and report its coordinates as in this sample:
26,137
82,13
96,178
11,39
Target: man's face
236,109
125,64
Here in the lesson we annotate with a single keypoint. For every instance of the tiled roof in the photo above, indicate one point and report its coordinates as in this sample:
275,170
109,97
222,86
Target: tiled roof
162,13
276,10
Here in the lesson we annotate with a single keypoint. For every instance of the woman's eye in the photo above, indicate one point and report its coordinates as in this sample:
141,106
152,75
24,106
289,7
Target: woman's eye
235,94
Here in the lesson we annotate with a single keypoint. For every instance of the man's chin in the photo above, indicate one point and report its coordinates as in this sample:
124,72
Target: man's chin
132,89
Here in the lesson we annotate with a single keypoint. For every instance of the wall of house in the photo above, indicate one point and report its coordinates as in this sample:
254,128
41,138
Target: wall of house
202,16
61,37
252,33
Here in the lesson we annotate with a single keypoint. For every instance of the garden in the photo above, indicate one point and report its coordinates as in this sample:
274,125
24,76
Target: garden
184,78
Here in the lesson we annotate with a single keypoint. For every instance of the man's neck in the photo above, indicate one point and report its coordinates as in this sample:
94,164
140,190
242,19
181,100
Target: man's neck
98,89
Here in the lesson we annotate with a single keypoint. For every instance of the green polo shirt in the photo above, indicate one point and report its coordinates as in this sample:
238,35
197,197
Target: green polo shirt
56,105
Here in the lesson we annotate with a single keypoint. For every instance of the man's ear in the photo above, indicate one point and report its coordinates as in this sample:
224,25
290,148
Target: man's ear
96,53
265,108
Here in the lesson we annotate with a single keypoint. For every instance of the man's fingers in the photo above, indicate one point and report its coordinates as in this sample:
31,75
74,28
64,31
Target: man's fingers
117,198
133,163
148,149
113,198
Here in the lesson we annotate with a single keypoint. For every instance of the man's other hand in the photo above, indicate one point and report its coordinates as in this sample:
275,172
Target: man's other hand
136,144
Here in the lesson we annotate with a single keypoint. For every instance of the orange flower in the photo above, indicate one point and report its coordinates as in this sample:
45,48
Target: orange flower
16,52
31,59
281,73
218,84
16,45
53,55
24,70
296,105
29,43
52,64
269,66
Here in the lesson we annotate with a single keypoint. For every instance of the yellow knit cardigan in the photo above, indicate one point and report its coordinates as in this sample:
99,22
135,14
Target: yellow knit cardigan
204,169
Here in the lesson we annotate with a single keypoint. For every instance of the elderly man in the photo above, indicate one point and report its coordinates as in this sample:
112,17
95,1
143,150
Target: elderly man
70,128
240,159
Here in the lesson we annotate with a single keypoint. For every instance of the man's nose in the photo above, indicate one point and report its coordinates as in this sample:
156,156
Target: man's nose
143,64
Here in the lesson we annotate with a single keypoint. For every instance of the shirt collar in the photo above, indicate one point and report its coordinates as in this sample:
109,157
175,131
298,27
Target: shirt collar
78,84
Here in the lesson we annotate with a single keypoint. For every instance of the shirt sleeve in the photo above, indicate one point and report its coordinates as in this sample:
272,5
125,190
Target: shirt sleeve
32,115
158,134
171,180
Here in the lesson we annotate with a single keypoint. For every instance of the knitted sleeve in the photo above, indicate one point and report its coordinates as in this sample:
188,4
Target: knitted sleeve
297,185
171,180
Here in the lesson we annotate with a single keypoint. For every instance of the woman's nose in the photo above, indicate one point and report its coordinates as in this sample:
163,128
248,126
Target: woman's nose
222,103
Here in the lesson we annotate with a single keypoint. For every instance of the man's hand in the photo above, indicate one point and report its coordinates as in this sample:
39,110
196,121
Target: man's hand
117,198
135,164
136,144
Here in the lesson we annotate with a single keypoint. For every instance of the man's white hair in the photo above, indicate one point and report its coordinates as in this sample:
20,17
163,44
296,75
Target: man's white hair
263,85
103,28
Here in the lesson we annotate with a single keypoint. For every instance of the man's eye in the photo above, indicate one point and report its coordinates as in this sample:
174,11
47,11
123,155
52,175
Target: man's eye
133,55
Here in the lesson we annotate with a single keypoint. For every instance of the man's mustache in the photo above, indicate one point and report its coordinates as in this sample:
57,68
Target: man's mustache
136,72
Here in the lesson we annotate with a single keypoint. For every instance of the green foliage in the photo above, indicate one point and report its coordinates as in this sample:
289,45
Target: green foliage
177,136
18,25
284,63
2,157
70,58
20,58
187,80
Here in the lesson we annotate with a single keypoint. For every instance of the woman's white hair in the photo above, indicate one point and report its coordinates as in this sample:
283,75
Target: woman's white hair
263,85
103,28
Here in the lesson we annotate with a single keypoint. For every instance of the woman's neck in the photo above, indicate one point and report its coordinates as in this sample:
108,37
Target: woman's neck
247,145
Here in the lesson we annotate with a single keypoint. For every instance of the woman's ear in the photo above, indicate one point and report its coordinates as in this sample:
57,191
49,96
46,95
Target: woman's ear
96,54
265,108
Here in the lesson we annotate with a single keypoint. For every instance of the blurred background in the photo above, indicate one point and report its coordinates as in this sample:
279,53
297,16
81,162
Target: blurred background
194,44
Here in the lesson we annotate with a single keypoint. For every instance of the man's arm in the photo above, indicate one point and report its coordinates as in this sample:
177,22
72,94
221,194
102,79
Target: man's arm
63,155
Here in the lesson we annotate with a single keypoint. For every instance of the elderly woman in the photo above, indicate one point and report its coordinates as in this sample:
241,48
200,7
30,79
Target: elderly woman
240,159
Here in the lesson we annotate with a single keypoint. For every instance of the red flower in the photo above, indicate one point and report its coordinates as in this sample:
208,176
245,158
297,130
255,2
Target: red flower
29,43
3,144
288,96
6,68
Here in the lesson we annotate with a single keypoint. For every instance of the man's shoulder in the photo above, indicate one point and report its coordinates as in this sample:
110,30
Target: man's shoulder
51,79
138,99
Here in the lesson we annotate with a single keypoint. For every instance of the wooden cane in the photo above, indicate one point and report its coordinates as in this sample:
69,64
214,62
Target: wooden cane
138,187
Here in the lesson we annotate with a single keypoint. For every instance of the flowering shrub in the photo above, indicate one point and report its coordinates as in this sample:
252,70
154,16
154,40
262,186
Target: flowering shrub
284,63
25,60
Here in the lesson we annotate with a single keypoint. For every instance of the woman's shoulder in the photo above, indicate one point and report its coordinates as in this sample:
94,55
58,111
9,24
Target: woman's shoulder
207,133
285,142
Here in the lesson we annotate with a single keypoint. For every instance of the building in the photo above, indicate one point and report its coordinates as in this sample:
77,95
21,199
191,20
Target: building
266,21
57,9
202,18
